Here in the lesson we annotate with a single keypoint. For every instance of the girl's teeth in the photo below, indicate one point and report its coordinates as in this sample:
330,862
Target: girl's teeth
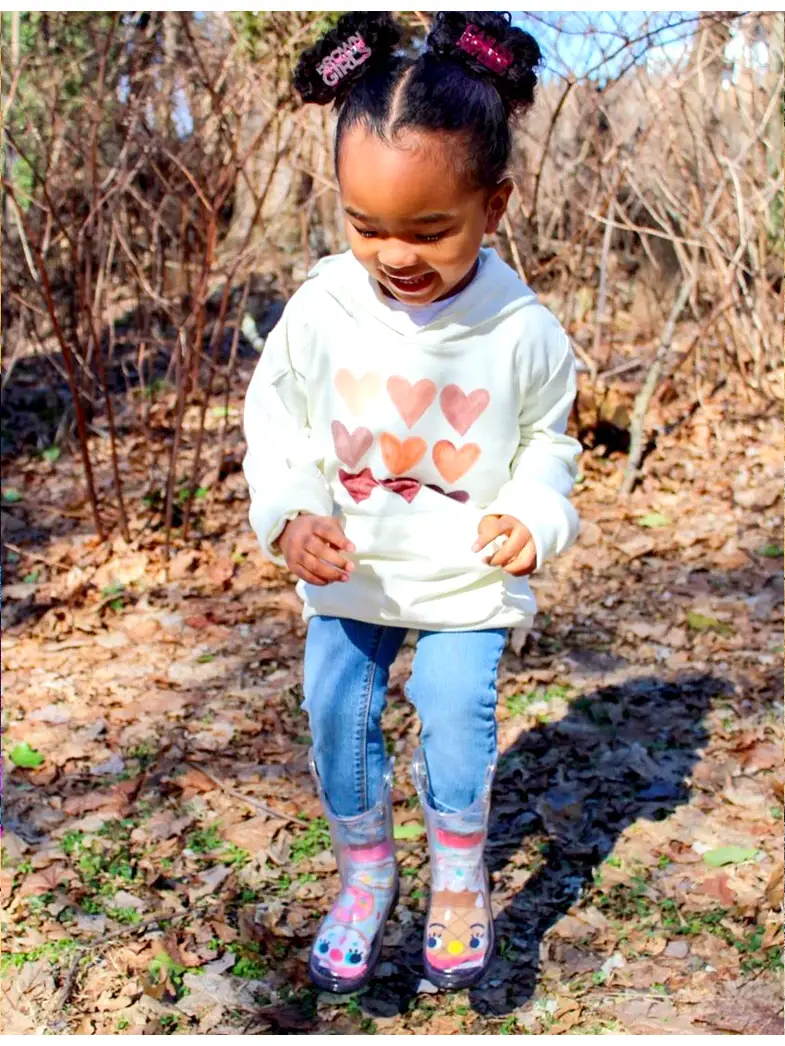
412,281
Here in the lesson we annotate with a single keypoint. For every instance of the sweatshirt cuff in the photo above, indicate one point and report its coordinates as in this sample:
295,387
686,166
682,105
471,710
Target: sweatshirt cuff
549,517
268,521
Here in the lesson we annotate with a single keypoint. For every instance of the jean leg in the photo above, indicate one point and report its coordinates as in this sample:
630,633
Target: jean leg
453,688
347,669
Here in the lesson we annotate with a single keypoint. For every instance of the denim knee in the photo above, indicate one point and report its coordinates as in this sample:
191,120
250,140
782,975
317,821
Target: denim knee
465,716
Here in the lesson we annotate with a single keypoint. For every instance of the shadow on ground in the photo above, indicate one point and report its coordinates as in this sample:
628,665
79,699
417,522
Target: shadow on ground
623,753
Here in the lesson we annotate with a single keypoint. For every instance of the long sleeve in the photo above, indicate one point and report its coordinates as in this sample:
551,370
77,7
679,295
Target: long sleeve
545,464
280,465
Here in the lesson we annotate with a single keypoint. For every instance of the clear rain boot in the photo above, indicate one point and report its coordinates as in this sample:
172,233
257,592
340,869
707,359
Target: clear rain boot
349,941
459,934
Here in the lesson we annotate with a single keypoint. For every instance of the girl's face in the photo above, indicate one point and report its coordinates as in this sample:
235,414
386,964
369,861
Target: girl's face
410,221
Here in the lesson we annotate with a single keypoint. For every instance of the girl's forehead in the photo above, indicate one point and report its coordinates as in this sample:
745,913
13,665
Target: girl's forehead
412,176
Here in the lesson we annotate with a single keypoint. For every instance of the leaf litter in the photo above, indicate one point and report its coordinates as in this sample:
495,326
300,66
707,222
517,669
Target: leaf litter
165,861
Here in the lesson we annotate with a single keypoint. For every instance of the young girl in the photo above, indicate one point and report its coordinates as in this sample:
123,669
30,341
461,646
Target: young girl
407,460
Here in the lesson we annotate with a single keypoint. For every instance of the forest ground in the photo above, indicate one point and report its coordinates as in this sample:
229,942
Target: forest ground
165,864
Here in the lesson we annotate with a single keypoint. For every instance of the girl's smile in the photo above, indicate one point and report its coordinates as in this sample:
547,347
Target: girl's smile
411,286
411,221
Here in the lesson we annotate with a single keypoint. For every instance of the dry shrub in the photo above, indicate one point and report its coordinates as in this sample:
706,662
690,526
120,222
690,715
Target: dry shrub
162,186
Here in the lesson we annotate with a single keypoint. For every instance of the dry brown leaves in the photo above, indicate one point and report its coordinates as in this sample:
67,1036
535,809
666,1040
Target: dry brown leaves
636,850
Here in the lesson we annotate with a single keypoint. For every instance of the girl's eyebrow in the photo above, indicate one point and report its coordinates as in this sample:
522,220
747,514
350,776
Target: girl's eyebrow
432,219
423,219
359,215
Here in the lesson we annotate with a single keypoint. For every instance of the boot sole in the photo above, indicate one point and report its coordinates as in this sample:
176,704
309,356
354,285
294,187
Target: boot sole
343,986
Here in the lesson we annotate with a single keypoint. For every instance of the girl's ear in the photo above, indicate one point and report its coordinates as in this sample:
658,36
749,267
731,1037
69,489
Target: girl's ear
497,205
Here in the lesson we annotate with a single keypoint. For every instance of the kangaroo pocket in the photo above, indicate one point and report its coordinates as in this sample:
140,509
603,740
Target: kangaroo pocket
421,548
420,571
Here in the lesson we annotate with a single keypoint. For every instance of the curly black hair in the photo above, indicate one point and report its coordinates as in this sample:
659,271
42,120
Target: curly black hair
474,75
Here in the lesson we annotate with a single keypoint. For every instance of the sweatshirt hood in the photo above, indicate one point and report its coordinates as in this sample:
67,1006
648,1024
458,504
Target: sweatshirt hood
495,292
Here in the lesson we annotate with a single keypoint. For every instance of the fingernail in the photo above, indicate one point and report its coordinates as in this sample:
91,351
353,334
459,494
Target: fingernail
476,546
350,547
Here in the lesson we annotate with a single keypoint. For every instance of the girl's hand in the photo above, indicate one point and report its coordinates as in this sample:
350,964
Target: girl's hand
518,555
312,546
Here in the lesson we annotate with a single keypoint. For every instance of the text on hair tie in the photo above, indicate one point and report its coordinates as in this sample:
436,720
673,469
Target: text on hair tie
346,57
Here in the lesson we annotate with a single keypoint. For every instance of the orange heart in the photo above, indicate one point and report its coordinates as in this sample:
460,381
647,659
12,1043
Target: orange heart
400,456
453,463
412,401
357,391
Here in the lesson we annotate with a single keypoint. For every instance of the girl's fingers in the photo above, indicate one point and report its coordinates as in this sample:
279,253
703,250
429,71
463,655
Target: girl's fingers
321,550
330,531
525,562
322,570
509,550
306,575
490,527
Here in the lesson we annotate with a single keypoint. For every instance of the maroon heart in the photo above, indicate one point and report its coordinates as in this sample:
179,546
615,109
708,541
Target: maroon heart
456,495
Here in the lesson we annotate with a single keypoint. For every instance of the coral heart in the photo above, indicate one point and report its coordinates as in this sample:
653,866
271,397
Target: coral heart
401,455
357,391
412,401
453,463
461,410
350,447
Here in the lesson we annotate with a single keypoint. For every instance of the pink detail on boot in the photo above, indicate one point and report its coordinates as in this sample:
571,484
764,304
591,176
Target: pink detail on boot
458,842
371,854
357,906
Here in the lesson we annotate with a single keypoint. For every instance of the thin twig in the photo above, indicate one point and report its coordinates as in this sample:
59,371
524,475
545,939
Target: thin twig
35,556
599,321
245,798
649,385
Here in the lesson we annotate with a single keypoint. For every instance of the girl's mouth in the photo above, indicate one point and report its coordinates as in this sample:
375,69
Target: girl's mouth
411,285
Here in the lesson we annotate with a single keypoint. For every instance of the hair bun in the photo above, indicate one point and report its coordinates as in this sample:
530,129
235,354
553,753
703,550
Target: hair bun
491,48
362,41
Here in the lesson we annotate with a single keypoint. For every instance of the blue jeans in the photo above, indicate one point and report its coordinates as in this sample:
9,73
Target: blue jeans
453,688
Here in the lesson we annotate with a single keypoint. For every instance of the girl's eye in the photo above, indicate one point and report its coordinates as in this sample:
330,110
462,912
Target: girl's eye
432,238
367,234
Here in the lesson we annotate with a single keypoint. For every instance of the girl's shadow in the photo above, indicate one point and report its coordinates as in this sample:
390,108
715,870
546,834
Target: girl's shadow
563,794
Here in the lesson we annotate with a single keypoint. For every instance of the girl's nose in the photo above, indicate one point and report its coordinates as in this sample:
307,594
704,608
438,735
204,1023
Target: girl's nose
394,256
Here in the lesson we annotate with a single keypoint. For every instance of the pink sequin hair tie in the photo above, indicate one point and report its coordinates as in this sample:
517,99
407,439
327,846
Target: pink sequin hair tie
486,50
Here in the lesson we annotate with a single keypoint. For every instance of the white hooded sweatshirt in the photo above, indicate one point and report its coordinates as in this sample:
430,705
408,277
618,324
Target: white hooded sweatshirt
409,434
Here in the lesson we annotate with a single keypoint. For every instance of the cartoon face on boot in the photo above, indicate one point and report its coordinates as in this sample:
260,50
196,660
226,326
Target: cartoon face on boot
458,930
343,950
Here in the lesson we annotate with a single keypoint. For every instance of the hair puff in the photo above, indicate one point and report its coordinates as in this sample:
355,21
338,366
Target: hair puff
517,82
322,81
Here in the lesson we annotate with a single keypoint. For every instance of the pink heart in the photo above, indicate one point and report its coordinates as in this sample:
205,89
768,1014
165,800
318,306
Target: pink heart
412,401
351,448
461,410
